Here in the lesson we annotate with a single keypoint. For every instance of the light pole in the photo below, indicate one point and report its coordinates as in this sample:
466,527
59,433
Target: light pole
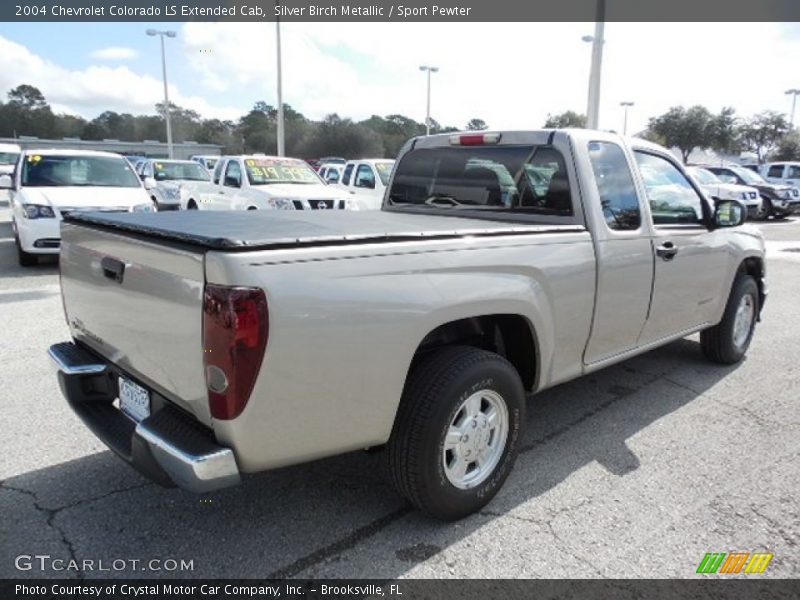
794,94
281,135
626,106
593,105
428,110
162,34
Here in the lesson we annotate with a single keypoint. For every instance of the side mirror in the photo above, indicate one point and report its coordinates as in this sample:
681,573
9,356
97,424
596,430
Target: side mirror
728,213
6,183
149,183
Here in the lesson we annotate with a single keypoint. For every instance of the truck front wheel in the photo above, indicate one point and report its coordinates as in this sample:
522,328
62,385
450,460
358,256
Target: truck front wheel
727,342
457,431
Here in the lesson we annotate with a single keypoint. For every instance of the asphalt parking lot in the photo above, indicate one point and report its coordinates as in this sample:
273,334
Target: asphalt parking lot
636,471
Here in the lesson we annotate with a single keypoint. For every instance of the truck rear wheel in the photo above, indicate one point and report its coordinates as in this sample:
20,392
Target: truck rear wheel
727,342
457,431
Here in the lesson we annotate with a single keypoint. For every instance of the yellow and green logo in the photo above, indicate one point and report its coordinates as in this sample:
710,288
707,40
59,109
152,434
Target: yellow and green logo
734,562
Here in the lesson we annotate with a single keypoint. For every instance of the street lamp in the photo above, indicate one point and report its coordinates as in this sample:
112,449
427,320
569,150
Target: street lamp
626,106
428,110
794,94
162,34
281,135
597,40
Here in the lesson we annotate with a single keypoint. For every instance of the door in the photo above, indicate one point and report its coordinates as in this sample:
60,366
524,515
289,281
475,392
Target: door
775,173
231,187
624,255
364,185
690,261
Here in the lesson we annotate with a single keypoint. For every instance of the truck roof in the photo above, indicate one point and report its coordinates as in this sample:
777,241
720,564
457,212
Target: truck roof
262,230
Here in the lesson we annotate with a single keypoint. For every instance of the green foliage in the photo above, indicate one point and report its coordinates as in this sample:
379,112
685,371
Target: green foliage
763,132
684,129
568,118
477,125
788,147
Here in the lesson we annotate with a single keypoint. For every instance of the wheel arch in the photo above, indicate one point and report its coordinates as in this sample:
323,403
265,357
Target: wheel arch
756,268
512,336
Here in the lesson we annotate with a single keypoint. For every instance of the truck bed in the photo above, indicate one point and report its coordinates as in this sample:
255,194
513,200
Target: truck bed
264,230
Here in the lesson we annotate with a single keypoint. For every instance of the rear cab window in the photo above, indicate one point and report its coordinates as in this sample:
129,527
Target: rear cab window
508,179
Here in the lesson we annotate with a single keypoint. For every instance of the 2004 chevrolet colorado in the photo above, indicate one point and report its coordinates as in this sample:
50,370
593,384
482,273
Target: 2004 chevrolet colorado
206,345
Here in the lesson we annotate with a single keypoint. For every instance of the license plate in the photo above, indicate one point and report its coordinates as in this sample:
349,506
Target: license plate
134,400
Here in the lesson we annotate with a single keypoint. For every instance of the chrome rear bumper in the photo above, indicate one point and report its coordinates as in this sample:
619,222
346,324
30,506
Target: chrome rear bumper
169,447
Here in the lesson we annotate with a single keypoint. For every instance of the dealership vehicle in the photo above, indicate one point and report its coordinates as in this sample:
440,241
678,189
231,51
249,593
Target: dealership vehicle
780,201
255,182
206,346
50,184
715,188
208,162
787,173
331,173
9,153
175,184
366,180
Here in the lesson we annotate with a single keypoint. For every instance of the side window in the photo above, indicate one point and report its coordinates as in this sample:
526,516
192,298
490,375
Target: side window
794,172
775,171
233,174
365,177
348,171
615,186
725,176
672,198
218,170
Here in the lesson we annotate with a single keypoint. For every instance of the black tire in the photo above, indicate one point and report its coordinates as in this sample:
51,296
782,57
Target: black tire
252,208
191,205
779,216
436,389
718,342
766,210
25,259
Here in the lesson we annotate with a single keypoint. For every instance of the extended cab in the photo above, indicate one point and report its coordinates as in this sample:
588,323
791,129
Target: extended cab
257,182
206,346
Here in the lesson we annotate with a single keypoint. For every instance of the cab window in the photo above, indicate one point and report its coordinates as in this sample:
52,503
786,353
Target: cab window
218,170
775,171
673,199
348,171
233,174
365,177
615,187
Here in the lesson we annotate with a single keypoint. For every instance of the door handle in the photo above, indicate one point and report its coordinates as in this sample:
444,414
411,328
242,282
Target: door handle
667,250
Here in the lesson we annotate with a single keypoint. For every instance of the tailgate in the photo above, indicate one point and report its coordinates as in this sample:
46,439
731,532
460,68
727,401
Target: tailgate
145,317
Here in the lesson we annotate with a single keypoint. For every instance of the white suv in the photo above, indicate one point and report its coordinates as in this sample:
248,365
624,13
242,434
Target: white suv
50,184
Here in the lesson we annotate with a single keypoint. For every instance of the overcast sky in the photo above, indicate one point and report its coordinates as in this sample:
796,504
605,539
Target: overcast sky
509,74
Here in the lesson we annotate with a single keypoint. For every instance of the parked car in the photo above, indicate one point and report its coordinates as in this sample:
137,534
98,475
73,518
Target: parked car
331,173
176,183
366,181
786,173
208,162
255,182
49,184
9,153
715,188
780,201
207,346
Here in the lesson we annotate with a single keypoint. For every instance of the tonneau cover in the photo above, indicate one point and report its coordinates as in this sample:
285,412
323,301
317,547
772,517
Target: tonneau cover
251,230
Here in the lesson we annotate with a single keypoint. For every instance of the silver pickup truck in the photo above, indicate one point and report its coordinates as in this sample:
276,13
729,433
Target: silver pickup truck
207,345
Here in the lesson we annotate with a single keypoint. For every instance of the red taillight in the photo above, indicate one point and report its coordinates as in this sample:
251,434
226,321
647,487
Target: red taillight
474,139
235,332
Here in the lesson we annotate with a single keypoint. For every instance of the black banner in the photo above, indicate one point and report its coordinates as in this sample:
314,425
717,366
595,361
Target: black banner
478,589
407,10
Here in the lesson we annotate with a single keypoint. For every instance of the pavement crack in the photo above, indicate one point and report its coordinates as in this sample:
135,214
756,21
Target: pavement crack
566,548
339,546
776,526
50,515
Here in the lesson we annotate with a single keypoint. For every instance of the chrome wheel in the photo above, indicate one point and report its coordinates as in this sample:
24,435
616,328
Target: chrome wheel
475,439
743,321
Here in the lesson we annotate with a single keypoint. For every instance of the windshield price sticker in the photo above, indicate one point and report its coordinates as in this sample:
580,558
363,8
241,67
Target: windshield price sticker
268,170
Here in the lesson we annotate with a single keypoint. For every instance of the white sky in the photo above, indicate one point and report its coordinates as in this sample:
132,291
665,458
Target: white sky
509,74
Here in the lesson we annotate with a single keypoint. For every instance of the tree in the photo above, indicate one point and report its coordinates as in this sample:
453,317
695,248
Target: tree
761,133
568,118
788,147
724,132
684,129
335,136
28,97
477,125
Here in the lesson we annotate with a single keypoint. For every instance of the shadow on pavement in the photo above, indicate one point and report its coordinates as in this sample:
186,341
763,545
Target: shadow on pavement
295,520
